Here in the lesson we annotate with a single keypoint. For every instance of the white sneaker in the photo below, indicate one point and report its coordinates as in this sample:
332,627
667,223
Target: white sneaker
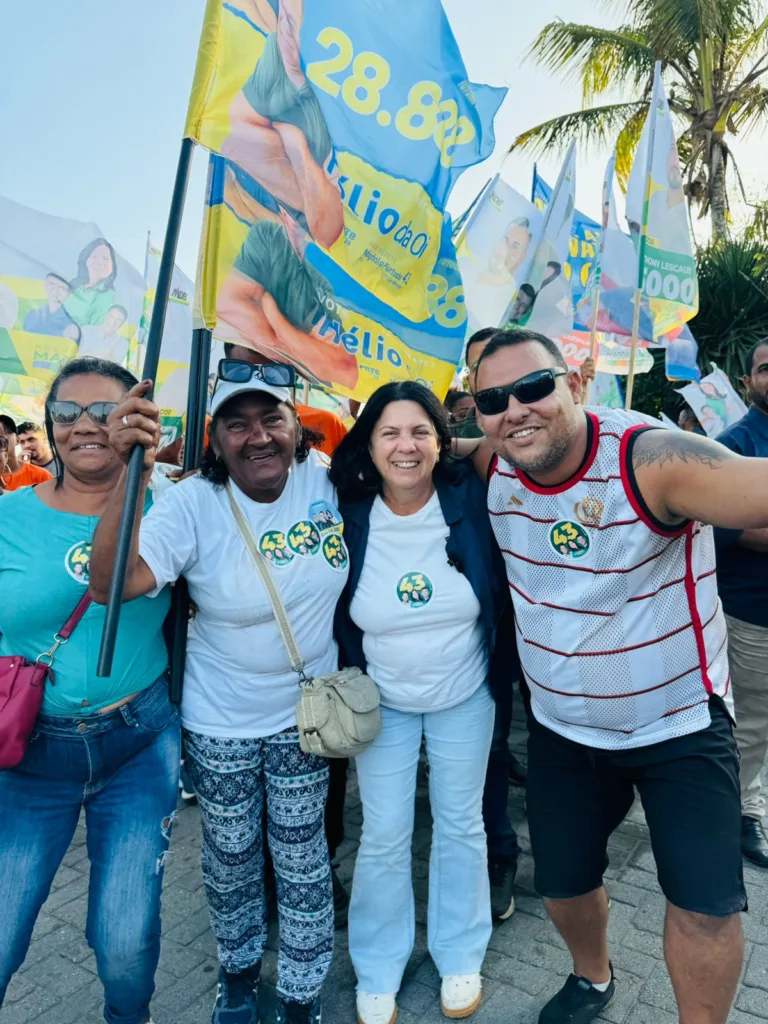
376,1009
460,994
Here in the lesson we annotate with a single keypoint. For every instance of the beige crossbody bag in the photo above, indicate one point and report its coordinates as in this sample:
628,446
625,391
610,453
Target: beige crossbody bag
338,714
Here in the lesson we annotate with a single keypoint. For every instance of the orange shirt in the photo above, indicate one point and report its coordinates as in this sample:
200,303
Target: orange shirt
324,422
27,476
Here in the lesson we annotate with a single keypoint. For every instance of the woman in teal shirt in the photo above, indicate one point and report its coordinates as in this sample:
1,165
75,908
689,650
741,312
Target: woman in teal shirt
109,746
93,291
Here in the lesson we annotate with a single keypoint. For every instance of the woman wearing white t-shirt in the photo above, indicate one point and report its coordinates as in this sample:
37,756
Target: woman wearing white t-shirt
419,613
240,693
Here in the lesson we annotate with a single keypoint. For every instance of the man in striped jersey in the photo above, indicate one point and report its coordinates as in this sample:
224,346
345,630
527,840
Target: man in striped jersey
601,519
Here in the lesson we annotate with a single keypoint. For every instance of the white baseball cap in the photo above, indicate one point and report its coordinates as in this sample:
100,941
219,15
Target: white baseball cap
226,389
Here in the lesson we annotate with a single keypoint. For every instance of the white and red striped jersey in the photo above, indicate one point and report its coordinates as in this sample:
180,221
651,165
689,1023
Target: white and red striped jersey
621,633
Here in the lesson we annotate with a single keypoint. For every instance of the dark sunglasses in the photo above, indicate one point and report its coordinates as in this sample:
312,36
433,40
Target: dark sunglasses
4,444
276,375
531,388
67,413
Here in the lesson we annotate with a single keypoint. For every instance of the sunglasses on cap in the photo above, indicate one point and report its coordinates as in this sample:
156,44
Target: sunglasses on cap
67,413
276,375
531,388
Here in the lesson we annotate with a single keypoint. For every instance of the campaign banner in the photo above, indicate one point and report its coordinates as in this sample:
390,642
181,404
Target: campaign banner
715,402
582,245
657,215
172,382
606,391
265,284
495,255
64,292
357,120
544,302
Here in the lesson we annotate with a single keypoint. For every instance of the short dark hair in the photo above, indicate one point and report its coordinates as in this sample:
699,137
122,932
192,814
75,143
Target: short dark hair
79,368
121,309
749,358
213,469
28,427
228,347
352,470
8,424
506,339
453,398
58,277
482,335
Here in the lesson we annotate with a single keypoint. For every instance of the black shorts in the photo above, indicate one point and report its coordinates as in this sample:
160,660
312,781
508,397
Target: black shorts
689,786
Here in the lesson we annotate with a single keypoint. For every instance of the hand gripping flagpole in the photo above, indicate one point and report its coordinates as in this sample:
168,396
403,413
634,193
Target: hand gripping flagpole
151,361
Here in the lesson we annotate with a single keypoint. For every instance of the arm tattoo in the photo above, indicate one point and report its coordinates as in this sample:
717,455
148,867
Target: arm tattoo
657,447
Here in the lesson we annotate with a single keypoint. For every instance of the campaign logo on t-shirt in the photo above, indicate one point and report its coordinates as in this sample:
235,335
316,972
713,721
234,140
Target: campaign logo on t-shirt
415,590
77,562
335,552
325,516
304,539
569,539
274,547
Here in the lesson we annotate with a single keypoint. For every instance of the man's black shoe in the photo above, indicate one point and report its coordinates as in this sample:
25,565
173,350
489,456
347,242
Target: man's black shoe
517,772
754,842
502,872
577,1002
340,902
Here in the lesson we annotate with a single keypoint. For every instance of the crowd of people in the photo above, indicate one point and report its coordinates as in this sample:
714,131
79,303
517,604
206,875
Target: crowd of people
513,537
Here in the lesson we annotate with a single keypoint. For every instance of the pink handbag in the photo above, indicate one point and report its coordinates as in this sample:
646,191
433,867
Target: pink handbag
21,691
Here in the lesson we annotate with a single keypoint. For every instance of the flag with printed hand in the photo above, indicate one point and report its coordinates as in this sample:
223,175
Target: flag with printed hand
344,128
543,302
582,246
657,215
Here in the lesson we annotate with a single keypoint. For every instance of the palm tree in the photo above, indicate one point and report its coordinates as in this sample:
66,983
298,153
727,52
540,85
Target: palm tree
714,55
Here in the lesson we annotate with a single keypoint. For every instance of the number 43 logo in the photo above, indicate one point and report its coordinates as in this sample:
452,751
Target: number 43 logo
426,115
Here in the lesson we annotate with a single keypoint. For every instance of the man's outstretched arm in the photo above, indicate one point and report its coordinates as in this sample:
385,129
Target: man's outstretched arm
685,476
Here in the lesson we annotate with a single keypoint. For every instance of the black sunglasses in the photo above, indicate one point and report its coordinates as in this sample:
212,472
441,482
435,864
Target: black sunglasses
531,388
276,375
67,413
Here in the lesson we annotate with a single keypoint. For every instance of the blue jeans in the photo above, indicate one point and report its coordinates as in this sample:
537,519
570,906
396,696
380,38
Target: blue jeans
382,914
122,768
502,838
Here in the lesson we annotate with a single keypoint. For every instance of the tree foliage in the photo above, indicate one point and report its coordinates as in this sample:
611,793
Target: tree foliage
714,56
732,317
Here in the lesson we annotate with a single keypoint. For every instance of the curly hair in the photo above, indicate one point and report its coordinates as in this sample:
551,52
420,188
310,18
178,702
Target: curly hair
215,471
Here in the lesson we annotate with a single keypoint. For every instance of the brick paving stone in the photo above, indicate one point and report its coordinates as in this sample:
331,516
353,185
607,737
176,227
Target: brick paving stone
526,964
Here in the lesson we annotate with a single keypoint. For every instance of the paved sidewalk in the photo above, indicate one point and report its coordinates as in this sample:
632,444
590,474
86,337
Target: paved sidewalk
526,962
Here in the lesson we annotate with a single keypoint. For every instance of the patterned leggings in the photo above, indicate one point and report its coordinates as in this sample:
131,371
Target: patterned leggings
233,778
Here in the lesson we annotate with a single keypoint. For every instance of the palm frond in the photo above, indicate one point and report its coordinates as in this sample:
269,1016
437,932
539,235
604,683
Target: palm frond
752,109
598,58
597,125
626,144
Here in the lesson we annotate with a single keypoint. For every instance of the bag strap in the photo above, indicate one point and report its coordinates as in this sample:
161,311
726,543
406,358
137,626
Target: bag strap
74,619
65,632
278,608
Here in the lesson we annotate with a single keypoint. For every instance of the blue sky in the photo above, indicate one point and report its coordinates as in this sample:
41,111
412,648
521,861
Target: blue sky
95,95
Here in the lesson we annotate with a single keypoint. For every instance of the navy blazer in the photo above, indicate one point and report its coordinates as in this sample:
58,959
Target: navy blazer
471,549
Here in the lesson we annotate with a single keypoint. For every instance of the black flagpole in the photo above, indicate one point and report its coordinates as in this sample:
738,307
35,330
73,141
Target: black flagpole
151,360
193,449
